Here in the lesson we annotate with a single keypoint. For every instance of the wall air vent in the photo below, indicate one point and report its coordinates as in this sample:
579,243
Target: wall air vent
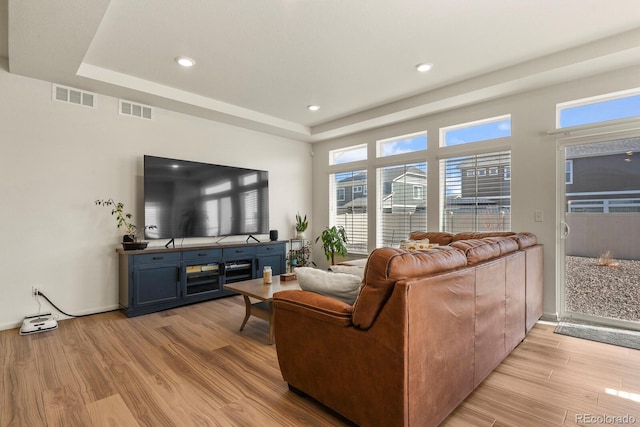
74,96
128,108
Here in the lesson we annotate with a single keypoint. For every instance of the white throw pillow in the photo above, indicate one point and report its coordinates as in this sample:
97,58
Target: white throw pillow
348,269
341,286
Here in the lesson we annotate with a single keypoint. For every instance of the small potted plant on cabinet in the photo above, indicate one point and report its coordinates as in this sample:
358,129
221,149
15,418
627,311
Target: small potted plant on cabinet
301,225
334,241
123,220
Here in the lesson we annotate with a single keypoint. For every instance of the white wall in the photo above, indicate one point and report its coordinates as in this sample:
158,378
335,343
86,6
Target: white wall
533,184
56,159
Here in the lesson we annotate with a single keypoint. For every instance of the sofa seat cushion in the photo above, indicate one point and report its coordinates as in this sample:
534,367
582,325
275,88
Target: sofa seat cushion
341,286
386,266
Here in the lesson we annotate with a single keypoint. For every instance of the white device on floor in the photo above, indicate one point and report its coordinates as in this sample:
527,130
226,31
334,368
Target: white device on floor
38,323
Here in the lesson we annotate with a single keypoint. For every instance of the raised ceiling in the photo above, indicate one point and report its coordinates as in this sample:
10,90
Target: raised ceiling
259,63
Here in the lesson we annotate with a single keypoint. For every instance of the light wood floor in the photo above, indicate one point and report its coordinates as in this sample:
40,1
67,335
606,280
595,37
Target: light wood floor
191,367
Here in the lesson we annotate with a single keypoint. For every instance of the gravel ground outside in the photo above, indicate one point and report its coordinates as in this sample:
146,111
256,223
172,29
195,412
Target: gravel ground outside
604,291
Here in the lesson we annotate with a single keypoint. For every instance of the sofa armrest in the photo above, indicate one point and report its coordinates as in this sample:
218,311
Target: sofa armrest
314,305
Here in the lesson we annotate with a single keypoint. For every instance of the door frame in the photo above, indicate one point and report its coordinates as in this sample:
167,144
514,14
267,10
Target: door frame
565,139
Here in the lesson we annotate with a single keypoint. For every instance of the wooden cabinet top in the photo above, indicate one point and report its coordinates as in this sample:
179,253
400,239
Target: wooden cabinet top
182,248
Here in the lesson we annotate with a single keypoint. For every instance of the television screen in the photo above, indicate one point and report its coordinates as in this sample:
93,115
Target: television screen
192,199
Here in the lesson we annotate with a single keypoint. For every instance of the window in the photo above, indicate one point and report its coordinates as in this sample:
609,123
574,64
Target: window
357,189
350,212
619,105
340,194
482,171
348,155
473,202
481,130
493,171
417,192
568,172
402,144
402,202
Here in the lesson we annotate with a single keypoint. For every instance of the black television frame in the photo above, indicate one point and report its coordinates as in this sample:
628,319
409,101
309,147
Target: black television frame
175,187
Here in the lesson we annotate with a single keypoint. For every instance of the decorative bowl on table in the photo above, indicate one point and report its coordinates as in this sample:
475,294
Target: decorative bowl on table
131,246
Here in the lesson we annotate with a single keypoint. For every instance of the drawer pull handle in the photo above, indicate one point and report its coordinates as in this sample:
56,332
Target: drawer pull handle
158,257
204,254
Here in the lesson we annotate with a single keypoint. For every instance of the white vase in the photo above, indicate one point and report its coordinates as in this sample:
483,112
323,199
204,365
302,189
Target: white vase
299,234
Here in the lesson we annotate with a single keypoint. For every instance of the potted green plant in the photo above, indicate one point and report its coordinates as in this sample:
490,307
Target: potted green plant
301,225
123,220
334,241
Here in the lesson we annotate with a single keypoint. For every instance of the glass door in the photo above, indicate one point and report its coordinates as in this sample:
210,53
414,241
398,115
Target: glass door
600,231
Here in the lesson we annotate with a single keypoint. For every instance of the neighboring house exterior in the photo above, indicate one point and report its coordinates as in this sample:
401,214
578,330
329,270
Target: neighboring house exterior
403,190
482,201
351,194
603,178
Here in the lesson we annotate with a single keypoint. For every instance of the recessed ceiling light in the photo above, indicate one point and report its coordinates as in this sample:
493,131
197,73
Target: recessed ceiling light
313,107
423,68
185,61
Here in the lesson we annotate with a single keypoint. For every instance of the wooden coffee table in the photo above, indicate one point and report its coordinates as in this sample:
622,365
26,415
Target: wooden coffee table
256,289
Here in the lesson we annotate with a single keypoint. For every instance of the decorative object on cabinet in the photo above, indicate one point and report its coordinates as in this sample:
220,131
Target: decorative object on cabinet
333,242
301,225
124,220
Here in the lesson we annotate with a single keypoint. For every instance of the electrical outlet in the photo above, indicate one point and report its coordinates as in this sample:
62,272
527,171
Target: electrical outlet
34,291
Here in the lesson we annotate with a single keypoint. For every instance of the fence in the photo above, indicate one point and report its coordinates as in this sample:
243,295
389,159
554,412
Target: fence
592,234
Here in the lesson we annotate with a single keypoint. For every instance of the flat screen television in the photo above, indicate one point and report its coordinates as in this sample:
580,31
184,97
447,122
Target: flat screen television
192,199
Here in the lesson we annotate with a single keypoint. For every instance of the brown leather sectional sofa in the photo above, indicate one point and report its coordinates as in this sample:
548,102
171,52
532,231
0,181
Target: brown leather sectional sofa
426,329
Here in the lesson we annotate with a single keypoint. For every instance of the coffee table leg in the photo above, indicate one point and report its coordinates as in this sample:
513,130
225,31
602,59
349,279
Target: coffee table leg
271,312
247,306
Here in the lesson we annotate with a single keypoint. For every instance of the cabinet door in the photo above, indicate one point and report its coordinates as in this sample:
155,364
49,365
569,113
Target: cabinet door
274,261
156,284
201,277
272,255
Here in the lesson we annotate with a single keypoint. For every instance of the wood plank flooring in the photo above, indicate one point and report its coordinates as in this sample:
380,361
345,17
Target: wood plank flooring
191,366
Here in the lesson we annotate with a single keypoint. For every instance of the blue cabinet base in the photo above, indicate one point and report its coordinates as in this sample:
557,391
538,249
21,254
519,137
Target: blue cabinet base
159,279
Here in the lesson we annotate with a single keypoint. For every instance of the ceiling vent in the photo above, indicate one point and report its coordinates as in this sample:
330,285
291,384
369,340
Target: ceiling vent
128,108
74,96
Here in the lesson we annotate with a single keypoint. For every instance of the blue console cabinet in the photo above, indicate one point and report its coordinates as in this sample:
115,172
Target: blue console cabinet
157,279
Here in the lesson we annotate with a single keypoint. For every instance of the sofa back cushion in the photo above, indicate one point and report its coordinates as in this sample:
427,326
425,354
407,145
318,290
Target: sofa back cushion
506,244
480,235
525,239
439,237
478,250
388,265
